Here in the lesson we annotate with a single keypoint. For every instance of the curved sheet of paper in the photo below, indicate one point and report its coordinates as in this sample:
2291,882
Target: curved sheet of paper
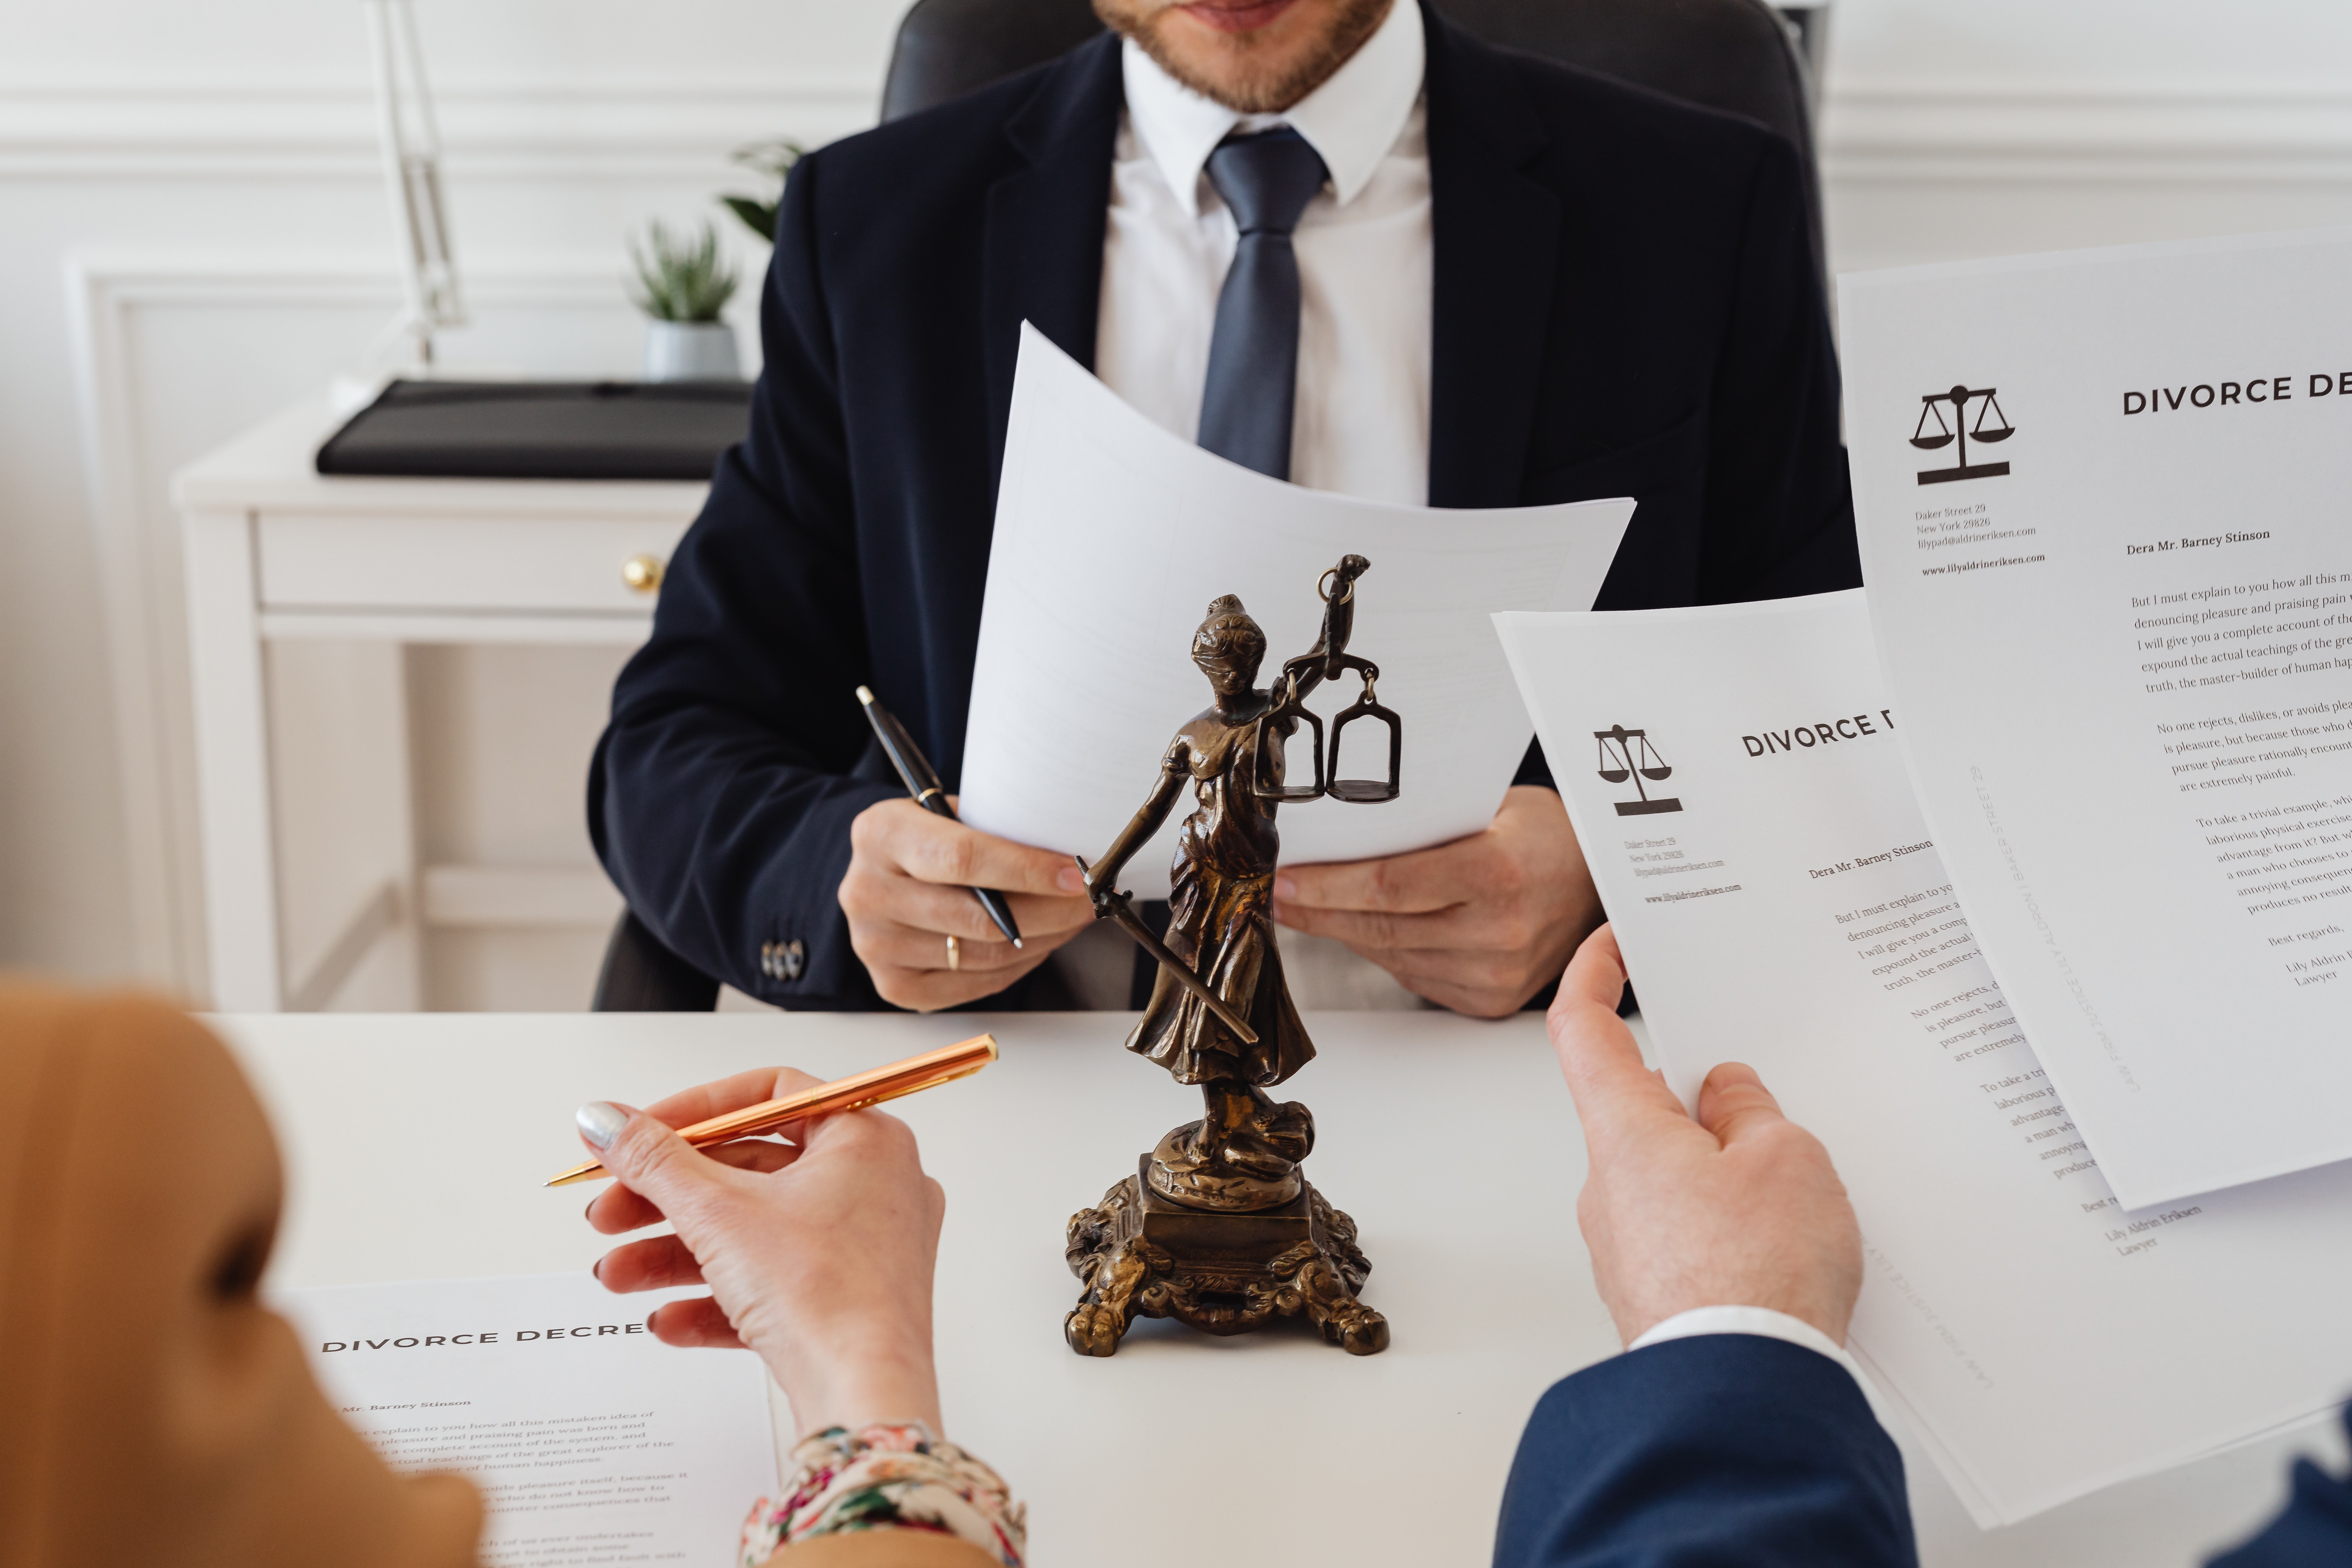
1112,536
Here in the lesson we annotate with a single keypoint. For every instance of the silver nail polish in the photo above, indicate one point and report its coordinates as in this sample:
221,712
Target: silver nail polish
600,1121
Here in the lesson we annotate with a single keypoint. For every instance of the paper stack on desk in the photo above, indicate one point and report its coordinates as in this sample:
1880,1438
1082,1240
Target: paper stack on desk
1112,535
2028,885
591,1440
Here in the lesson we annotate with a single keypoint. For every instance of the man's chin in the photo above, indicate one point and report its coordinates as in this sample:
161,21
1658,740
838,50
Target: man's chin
1237,53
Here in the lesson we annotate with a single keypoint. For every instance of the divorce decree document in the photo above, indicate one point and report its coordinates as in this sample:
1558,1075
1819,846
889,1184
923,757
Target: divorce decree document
1735,778
2103,503
592,1441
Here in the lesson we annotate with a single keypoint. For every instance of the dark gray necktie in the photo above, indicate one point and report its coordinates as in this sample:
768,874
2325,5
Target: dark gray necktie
1246,410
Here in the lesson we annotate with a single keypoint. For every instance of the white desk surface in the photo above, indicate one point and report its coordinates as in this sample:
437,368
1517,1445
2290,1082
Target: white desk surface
417,1144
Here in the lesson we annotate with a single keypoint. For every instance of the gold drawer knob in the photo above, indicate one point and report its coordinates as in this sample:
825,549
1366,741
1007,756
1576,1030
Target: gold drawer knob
643,573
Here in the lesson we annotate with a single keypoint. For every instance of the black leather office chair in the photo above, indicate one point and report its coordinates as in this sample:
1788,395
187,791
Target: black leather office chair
1740,56
948,48
641,975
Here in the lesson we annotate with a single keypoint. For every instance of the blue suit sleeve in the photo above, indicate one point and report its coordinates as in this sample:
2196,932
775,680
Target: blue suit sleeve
1718,1449
2314,1527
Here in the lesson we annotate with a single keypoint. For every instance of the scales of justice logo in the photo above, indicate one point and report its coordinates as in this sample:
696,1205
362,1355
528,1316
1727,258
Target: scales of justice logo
1931,407
1627,754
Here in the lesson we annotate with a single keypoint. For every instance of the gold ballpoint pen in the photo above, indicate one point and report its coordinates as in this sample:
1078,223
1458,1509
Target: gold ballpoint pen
854,1092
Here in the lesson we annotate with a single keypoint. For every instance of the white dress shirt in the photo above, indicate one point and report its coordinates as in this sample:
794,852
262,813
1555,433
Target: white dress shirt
1361,425
1763,1321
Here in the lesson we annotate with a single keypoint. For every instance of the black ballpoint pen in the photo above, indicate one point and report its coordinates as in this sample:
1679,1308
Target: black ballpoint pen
915,771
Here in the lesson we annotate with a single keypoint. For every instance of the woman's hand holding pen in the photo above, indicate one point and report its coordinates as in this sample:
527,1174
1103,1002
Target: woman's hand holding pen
908,889
819,1257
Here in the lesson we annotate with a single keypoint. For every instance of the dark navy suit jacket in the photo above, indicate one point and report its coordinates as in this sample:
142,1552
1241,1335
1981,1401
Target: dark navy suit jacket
1625,303
1730,1449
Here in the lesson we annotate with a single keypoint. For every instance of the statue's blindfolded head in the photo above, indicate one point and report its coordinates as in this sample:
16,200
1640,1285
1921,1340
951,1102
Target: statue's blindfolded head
1229,639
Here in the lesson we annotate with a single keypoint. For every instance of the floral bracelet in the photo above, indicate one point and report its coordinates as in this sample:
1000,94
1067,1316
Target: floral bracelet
893,1476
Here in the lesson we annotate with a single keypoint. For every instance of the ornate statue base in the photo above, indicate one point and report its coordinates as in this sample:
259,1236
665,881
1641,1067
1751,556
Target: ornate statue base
1224,1270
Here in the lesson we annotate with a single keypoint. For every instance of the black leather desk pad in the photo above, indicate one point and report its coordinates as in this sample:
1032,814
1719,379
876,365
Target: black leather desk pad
542,430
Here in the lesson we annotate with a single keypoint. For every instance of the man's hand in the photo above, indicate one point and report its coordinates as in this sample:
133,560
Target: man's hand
1739,1208
818,1252
908,889
1476,925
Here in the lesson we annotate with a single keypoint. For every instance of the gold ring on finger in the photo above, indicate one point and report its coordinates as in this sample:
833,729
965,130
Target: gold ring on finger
955,955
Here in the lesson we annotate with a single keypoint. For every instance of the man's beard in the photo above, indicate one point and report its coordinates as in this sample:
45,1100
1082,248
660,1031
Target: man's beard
1261,87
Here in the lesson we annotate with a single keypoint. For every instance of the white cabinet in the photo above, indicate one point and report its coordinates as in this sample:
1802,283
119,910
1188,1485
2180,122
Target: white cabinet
276,553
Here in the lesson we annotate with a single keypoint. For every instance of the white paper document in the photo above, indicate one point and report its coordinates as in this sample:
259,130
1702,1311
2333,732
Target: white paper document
2106,510
1735,778
1112,535
592,1441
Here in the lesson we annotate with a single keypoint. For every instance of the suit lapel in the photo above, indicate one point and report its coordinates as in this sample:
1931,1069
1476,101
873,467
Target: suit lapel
1044,251
1497,252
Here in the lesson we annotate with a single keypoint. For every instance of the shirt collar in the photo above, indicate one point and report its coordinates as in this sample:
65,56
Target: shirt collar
1351,121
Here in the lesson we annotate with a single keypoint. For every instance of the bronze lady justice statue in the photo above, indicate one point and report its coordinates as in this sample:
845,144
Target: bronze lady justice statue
1218,1227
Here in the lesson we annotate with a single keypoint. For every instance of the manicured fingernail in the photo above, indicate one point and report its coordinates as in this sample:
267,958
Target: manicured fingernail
597,1271
1283,888
1070,880
600,1121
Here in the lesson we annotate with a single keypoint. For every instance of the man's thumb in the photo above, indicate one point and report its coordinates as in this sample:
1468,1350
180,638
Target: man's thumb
1733,1103
644,1156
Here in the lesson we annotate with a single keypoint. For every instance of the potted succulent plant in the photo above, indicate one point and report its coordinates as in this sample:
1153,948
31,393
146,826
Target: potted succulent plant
682,285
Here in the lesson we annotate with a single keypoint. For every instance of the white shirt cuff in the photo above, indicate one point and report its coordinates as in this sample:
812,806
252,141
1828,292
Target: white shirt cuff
1763,1321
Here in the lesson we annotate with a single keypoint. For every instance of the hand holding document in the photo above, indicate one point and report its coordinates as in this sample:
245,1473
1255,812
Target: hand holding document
1112,535
2101,500
1736,780
591,1441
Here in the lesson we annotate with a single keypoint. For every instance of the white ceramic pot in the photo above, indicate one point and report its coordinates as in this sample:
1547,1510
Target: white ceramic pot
691,350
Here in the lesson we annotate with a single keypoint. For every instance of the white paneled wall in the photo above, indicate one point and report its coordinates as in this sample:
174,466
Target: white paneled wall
192,236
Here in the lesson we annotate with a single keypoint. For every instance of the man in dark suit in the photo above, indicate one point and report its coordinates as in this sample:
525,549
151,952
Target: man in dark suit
1338,241
1728,1257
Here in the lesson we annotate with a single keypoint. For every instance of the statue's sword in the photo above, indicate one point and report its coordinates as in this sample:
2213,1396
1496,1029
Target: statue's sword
1114,906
